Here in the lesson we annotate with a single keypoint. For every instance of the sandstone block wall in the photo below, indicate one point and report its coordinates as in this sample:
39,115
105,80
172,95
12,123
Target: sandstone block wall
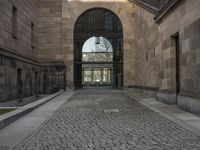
184,20
36,78
49,36
155,47
26,15
71,10
18,54
9,84
148,68
54,78
21,46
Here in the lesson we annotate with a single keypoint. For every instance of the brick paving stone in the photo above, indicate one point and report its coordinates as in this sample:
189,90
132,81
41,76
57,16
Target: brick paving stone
90,120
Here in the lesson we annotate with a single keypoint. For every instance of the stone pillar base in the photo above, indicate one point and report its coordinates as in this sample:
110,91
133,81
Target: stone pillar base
168,98
70,89
189,104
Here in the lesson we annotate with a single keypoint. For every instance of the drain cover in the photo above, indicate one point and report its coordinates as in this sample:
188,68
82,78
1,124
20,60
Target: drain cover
111,110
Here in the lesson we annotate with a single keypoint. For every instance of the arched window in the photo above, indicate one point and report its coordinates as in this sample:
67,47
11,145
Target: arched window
97,49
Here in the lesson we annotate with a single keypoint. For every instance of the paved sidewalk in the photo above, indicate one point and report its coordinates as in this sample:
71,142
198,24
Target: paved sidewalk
20,129
172,112
111,120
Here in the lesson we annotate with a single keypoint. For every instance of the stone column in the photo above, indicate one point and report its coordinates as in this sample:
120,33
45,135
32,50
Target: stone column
92,73
101,75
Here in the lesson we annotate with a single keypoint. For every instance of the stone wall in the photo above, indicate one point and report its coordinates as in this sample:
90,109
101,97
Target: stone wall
54,78
155,48
56,21
148,70
26,15
185,21
9,83
20,45
73,9
35,77
49,45
22,74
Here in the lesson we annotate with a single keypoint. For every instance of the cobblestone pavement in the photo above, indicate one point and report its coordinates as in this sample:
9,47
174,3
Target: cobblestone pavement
110,120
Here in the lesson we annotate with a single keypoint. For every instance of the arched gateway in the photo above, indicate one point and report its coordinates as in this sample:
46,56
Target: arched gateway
98,49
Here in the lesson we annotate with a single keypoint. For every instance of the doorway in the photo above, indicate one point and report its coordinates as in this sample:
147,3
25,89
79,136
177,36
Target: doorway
177,47
19,84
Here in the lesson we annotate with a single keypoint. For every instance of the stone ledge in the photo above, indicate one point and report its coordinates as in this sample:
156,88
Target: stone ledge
143,87
150,91
10,117
167,97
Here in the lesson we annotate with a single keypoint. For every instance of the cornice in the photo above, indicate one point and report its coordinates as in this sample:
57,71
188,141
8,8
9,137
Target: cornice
163,11
146,6
158,12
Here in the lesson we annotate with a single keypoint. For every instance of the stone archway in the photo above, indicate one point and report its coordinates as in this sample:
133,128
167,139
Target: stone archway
102,24
73,9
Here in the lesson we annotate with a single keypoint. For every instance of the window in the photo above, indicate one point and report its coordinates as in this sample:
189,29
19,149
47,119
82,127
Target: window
97,75
87,75
106,75
14,22
119,48
119,26
97,49
32,36
108,16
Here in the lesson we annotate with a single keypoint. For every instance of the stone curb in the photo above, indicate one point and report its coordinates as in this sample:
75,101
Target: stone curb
10,117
